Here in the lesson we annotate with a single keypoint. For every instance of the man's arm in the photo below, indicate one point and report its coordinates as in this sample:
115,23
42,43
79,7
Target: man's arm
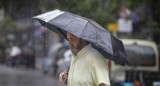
102,84
100,71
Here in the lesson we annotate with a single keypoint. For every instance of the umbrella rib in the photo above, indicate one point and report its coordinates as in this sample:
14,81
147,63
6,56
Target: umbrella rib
83,29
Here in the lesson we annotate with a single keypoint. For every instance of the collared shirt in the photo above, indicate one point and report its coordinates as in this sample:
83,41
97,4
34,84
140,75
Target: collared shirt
88,68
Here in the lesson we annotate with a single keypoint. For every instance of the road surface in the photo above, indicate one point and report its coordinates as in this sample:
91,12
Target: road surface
21,76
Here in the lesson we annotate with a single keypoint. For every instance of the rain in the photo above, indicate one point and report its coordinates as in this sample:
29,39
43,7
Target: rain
33,55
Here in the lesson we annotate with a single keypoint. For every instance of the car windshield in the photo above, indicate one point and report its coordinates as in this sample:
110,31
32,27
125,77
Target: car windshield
141,55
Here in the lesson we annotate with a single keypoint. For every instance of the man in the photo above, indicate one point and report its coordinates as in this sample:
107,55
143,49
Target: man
88,66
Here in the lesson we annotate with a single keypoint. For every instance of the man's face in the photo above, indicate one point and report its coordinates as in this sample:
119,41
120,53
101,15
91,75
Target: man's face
75,43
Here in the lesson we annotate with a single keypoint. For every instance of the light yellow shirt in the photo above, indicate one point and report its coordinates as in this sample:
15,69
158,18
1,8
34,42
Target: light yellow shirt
88,68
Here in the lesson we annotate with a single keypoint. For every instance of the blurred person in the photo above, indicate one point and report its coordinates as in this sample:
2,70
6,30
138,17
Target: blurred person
59,56
14,55
65,62
28,57
2,50
88,67
55,54
15,50
125,12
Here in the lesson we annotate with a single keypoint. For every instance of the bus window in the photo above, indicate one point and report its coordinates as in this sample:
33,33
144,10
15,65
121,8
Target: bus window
139,55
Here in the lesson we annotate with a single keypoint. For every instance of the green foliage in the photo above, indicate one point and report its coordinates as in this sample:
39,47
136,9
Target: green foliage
6,4
93,9
107,11
8,26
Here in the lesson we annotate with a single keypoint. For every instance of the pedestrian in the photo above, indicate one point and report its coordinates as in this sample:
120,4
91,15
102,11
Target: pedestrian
88,67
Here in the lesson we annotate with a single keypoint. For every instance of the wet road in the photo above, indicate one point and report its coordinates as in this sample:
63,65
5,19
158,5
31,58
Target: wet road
25,77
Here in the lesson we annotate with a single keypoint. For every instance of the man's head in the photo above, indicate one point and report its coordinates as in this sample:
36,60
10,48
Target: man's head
75,43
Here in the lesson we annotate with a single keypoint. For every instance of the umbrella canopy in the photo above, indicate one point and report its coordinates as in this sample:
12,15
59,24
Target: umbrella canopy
62,22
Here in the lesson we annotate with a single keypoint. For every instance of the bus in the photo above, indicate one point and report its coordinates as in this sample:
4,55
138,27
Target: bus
144,64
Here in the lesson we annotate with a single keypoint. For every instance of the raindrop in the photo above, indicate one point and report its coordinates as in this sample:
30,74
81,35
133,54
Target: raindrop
46,46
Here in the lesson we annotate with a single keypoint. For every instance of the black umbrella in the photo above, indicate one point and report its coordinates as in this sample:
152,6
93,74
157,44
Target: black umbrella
62,22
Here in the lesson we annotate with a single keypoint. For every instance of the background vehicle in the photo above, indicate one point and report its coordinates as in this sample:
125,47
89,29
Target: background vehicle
56,53
144,60
18,57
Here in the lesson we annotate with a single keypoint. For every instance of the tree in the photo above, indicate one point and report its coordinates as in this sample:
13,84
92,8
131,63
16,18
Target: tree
18,9
8,26
97,10
106,11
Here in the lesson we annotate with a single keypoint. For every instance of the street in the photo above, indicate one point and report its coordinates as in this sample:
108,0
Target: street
21,76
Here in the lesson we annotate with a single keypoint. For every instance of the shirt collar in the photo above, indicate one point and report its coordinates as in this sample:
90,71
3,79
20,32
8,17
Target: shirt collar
82,51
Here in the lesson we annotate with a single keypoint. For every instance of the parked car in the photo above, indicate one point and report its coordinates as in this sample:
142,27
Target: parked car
144,59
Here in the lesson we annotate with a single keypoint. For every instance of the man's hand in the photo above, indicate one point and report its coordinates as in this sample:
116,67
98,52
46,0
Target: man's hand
63,77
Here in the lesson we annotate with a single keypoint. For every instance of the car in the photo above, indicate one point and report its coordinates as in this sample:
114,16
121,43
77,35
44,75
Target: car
144,60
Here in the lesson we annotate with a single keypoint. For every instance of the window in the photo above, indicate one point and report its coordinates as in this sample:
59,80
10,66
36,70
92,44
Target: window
139,55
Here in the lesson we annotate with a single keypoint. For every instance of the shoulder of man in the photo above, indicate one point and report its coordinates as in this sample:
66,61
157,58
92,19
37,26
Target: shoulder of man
95,52
95,55
96,59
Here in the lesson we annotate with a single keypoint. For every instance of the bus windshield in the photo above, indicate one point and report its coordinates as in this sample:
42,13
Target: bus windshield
139,55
